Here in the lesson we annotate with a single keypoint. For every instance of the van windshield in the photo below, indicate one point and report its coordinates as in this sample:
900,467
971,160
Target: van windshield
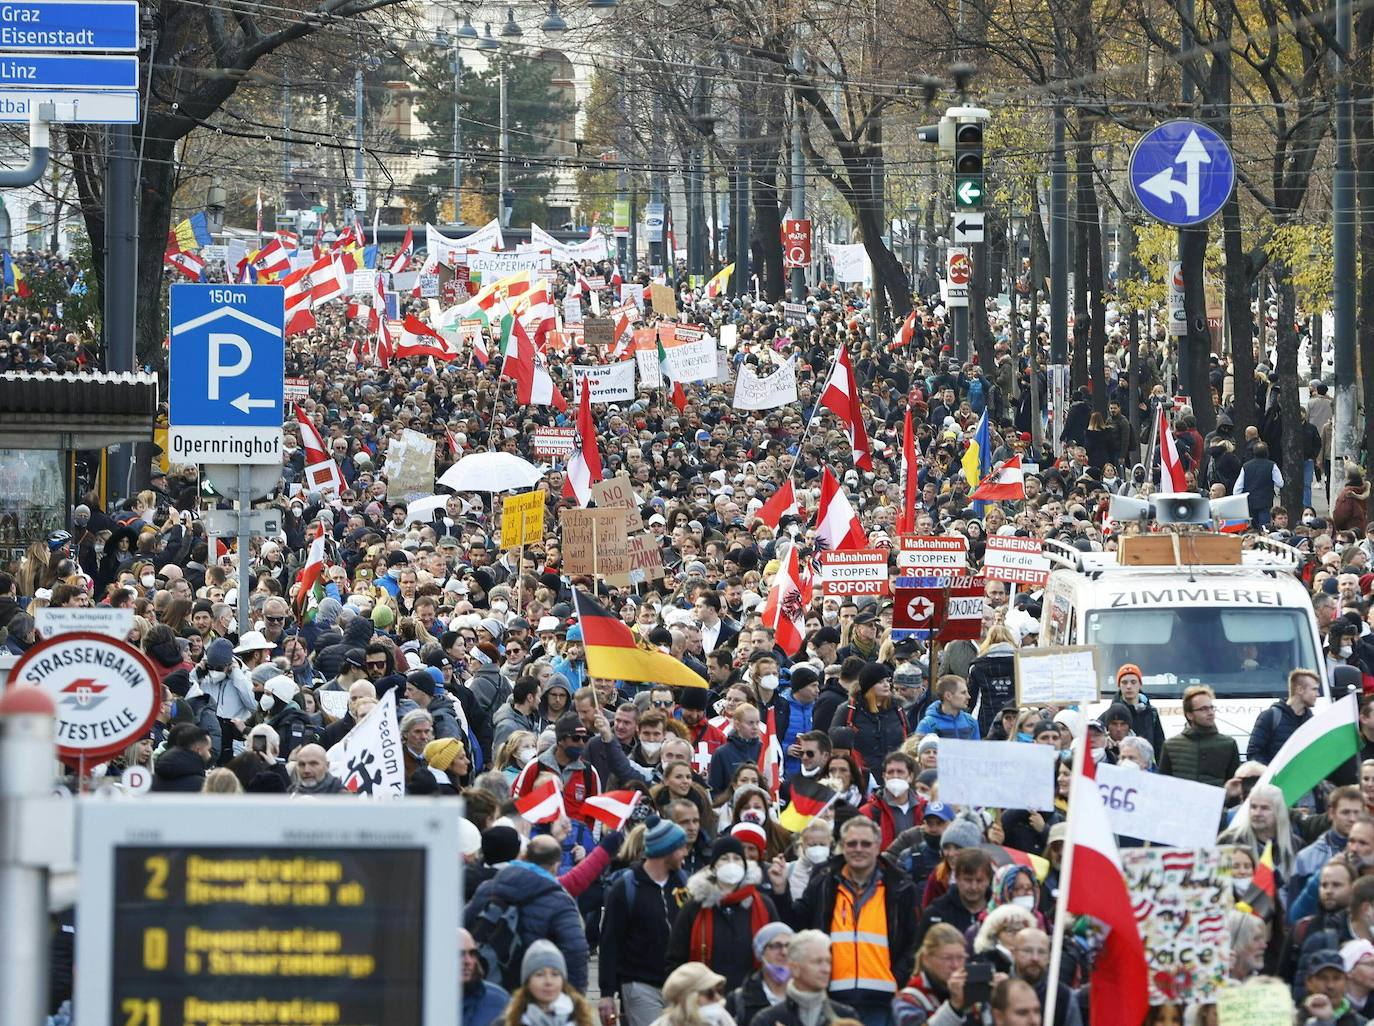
1239,653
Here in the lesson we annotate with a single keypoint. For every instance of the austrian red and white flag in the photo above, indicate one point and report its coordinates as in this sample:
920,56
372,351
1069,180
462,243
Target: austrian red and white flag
584,466
785,608
1171,477
906,519
1096,887
1005,484
906,334
311,572
782,503
837,526
612,808
418,339
322,474
454,446
543,803
403,255
770,752
841,397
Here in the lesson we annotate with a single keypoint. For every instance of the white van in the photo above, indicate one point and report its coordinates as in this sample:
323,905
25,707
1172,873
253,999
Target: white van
1238,628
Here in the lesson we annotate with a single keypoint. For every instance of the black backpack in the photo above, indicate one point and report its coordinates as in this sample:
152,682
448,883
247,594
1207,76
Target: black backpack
496,932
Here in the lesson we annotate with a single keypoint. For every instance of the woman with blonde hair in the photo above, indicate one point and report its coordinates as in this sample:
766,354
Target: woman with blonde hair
693,995
942,956
221,781
513,753
992,677
545,997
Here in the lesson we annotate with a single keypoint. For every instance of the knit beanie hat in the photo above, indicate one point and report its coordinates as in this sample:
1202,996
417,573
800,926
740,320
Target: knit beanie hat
767,935
542,954
500,844
663,837
441,752
871,674
726,845
382,616
961,834
750,833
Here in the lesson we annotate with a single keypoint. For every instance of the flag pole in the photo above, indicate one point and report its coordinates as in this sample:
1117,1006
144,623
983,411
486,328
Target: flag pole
1061,905
815,411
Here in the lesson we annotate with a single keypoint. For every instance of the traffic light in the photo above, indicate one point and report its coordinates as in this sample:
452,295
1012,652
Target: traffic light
968,165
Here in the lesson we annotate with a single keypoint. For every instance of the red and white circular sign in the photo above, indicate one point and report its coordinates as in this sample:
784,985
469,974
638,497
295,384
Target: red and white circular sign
106,692
960,267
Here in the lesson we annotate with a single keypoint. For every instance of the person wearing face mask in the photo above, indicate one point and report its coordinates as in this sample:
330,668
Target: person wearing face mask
767,985
694,996
220,676
565,761
815,845
281,712
794,713
725,910
895,807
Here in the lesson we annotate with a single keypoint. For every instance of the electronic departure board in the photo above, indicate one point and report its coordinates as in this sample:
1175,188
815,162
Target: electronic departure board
328,912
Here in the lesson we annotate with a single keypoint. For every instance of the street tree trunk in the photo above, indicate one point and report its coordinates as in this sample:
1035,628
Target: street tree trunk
1286,369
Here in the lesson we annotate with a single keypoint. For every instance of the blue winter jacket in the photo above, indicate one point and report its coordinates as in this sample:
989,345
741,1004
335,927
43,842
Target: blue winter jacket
547,912
960,726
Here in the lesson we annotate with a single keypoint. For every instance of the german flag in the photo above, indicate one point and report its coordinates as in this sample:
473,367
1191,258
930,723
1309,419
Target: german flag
612,652
809,799
1003,856
1259,897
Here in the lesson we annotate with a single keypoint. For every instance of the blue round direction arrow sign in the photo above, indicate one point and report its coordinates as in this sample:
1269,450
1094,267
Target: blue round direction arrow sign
1182,173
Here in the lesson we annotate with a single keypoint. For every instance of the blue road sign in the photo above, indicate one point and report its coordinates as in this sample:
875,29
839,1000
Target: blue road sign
226,376
69,25
61,71
1182,173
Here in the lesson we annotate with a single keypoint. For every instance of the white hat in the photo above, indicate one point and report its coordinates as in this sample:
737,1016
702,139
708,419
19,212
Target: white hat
253,641
657,518
546,623
282,687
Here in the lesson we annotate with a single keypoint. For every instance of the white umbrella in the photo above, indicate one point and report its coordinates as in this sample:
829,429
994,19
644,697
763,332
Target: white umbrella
491,472
422,510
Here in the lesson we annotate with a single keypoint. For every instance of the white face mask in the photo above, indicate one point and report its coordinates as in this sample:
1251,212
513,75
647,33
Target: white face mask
810,771
831,616
897,787
147,580
217,675
265,703
816,853
499,606
524,755
769,682
1345,651
650,748
730,874
1026,901
1099,754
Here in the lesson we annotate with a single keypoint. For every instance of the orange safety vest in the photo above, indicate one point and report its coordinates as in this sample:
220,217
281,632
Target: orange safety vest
860,959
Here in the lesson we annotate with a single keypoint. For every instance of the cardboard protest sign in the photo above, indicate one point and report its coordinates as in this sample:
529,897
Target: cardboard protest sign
409,467
646,558
619,493
663,300
1181,897
594,542
609,382
1058,675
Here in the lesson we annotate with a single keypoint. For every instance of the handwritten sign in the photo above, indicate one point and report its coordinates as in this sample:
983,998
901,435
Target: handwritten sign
594,542
996,774
619,493
1062,675
646,558
1167,810
1181,897
522,519
1262,1001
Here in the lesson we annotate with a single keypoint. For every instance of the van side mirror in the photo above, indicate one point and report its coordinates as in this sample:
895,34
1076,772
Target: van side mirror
1344,680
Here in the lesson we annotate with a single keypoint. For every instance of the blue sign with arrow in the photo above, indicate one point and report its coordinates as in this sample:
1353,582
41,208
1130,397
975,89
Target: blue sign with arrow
226,375
1182,173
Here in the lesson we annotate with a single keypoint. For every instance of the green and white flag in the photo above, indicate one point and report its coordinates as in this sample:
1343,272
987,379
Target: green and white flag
1315,749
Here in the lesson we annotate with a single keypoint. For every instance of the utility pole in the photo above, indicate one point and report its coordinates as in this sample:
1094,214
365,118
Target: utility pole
1191,241
1346,441
457,131
798,172
505,203
119,301
359,199
1059,241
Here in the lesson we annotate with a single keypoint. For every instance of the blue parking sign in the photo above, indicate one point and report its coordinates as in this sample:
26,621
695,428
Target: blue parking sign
226,378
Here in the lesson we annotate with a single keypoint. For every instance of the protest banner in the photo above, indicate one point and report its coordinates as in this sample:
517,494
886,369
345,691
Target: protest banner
1166,810
572,310
594,542
854,572
556,443
663,300
646,558
628,311
1260,1001
494,266
1056,675
996,774
445,250
429,285
794,314
296,390
964,604
777,389
922,555
1015,560
522,519
619,493
363,282
409,467
610,382
598,331
691,353
1181,897
369,760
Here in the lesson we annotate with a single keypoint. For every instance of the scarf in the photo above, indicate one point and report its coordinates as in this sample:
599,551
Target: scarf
704,925
810,1004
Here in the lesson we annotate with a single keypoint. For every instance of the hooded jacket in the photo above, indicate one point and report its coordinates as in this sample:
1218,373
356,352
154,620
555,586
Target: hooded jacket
1272,728
180,770
547,912
729,757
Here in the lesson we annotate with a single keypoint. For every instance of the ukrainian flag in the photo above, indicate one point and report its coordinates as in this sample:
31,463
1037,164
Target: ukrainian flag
193,233
977,459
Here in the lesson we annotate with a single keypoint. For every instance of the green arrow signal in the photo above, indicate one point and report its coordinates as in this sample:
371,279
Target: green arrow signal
969,192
